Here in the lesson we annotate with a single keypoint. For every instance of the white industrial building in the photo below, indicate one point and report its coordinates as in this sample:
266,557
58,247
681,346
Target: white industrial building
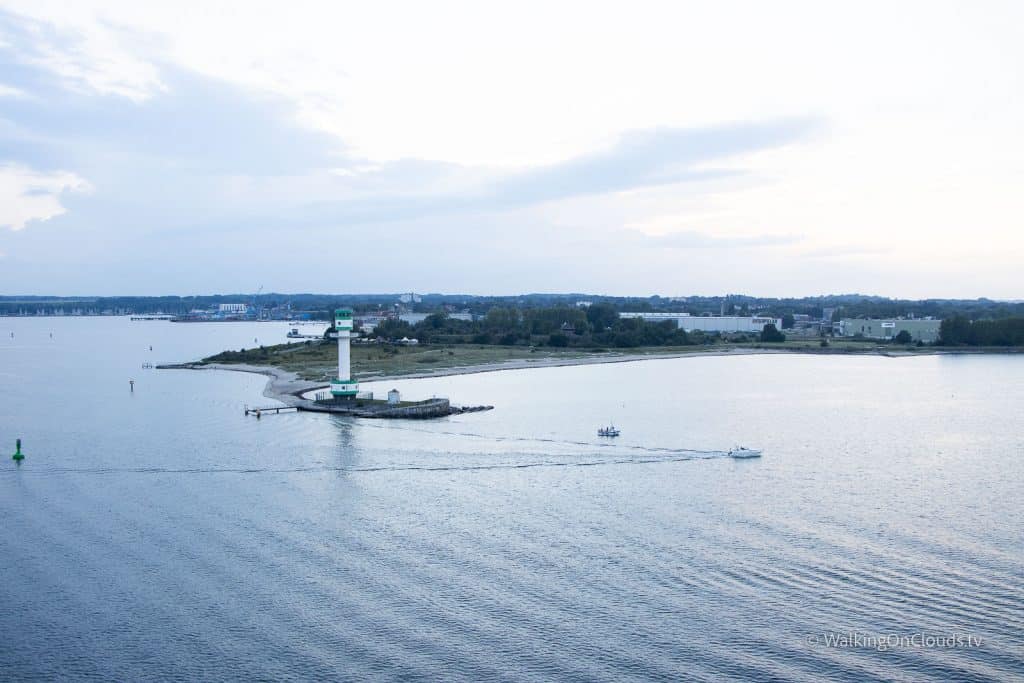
416,318
232,308
924,330
369,321
709,323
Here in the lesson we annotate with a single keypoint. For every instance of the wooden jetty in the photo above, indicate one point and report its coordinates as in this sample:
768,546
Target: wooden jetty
258,411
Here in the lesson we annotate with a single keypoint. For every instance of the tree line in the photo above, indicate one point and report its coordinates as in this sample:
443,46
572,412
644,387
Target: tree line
959,330
598,325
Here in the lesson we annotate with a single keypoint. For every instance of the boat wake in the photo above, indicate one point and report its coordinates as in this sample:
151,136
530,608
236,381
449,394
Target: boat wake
614,446
398,467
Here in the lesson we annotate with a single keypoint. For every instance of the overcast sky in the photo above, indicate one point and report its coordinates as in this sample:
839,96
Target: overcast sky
622,148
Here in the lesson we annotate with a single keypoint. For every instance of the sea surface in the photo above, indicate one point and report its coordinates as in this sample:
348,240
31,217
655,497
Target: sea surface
159,534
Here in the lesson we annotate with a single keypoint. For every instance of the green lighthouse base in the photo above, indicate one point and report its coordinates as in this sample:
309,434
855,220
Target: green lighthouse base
344,388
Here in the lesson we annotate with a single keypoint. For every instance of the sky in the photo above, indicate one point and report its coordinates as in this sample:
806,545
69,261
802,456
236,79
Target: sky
629,148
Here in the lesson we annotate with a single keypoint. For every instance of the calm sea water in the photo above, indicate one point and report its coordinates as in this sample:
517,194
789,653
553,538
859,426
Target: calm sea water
162,535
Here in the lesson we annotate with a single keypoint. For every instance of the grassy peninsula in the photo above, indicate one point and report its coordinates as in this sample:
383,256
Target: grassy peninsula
509,338
317,360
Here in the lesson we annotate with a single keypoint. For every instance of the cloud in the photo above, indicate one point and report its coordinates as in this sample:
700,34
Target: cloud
94,57
638,160
8,91
198,126
27,195
646,158
203,168
846,251
200,182
171,143
692,239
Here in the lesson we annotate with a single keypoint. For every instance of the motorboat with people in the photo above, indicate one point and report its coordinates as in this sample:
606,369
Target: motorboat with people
744,452
610,430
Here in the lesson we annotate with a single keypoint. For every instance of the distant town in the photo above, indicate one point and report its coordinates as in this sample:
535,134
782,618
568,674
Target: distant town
580,320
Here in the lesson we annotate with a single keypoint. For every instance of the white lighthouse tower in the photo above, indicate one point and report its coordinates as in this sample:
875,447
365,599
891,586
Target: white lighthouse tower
344,386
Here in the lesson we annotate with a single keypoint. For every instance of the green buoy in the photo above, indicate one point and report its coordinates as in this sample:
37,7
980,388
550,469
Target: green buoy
18,455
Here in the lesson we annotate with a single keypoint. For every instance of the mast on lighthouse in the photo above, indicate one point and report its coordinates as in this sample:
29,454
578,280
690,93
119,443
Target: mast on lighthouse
344,385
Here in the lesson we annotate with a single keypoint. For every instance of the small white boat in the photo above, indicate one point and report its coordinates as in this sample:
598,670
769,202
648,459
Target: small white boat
608,431
743,452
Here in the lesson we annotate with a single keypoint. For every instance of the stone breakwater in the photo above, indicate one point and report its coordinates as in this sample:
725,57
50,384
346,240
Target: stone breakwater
435,407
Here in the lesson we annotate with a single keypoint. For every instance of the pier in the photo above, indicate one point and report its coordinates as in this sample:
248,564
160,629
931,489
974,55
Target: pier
437,407
258,411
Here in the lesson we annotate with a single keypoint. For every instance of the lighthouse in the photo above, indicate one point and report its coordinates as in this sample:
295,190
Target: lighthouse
344,386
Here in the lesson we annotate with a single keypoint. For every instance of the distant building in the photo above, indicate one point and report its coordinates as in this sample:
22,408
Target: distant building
394,397
410,298
655,317
926,330
416,318
710,323
369,321
232,308
807,329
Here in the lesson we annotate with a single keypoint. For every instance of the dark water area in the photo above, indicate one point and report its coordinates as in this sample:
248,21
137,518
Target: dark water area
160,534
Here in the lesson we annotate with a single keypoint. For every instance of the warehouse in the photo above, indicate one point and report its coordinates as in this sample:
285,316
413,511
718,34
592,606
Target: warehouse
710,323
923,330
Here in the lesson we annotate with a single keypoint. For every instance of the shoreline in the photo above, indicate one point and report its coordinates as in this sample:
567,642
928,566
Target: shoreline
286,387
282,385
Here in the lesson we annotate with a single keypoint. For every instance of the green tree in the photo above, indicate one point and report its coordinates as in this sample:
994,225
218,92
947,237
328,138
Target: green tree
770,333
903,337
500,319
602,316
1002,332
954,331
393,328
627,339
436,321
558,339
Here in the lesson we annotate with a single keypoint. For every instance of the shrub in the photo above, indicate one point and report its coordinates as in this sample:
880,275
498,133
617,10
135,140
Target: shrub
558,339
770,333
